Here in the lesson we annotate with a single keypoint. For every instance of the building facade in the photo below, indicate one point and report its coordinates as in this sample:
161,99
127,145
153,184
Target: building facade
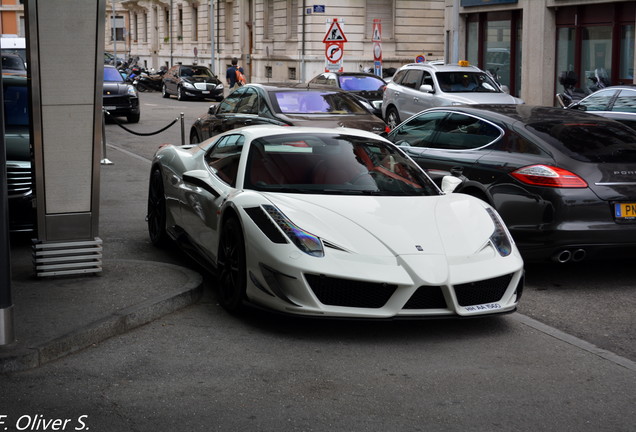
532,42
278,40
12,17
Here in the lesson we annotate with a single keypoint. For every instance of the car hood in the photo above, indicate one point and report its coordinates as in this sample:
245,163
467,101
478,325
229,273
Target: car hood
365,122
471,98
451,225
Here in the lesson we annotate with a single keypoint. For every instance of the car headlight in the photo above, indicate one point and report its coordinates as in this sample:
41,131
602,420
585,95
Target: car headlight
500,238
306,242
219,86
131,91
188,85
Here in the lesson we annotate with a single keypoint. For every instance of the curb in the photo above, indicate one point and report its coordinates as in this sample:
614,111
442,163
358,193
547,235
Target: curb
121,321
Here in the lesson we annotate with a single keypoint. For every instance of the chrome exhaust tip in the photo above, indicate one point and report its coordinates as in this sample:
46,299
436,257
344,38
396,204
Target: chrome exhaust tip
562,257
579,255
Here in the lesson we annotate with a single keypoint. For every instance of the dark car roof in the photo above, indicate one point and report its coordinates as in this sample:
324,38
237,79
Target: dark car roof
527,114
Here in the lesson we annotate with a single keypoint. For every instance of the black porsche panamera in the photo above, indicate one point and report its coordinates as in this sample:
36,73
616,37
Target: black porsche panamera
564,181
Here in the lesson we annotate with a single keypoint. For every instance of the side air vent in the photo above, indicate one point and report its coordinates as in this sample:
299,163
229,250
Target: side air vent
263,221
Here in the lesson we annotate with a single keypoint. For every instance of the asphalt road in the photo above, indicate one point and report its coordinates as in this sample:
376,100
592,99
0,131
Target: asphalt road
565,361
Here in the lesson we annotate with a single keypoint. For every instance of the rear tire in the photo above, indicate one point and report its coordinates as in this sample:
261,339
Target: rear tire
392,118
194,137
232,267
156,215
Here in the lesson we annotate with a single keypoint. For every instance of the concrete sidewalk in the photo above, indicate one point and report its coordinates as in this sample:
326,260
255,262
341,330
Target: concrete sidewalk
56,316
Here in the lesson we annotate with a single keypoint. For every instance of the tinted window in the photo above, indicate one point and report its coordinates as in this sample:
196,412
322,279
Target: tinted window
413,79
598,101
230,103
418,131
335,164
625,102
589,141
248,103
112,75
315,102
360,83
223,158
464,132
466,81
399,76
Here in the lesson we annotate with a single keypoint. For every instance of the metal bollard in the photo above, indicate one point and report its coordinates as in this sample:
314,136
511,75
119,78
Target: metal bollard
182,130
104,160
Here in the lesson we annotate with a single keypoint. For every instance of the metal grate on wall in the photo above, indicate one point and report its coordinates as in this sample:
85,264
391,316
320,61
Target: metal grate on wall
67,258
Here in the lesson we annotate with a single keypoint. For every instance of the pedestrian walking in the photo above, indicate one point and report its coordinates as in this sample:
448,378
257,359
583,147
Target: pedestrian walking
235,75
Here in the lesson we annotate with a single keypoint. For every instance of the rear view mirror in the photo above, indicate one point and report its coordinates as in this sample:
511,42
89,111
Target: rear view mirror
427,88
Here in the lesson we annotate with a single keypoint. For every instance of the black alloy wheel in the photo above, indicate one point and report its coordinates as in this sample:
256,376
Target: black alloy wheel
156,216
232,267
392,118
164,91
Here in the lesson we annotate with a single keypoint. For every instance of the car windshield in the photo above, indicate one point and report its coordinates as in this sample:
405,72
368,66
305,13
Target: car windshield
332,163
315,102
112,75
589,140
461,82
196,71
360,83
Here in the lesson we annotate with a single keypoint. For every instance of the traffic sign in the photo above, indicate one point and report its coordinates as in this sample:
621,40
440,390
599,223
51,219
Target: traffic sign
377,30
420,58
334,51
335,33
377,51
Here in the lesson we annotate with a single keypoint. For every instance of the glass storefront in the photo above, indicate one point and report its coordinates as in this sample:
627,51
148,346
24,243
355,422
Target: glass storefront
493,43
596,42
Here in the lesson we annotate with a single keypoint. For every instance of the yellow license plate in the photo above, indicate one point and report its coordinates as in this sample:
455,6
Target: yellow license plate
625,210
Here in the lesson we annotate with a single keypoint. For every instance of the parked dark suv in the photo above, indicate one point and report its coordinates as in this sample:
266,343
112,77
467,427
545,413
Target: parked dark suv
18,151
119,97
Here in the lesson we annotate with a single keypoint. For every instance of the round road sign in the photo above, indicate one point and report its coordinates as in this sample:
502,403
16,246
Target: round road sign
334,52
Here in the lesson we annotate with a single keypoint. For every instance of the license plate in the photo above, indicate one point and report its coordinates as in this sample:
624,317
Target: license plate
110,108
625,210
206,92
482,307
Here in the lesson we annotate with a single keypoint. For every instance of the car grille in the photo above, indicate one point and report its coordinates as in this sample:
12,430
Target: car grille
117,101
481,292
204,86
427,297
350,293
19,181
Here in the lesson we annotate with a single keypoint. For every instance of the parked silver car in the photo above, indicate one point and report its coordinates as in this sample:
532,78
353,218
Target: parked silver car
419,86
616,102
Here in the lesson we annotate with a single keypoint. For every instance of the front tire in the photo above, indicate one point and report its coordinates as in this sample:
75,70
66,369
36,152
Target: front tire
392,118
232,266
133,118
164,91
156,215
180,95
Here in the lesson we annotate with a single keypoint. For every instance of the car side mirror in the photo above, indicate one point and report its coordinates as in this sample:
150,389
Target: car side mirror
212,109
450,183
427,88
505,89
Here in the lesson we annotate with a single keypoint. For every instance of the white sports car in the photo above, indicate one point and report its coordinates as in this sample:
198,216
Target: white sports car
331,222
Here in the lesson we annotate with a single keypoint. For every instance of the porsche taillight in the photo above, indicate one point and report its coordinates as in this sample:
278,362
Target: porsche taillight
548,176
